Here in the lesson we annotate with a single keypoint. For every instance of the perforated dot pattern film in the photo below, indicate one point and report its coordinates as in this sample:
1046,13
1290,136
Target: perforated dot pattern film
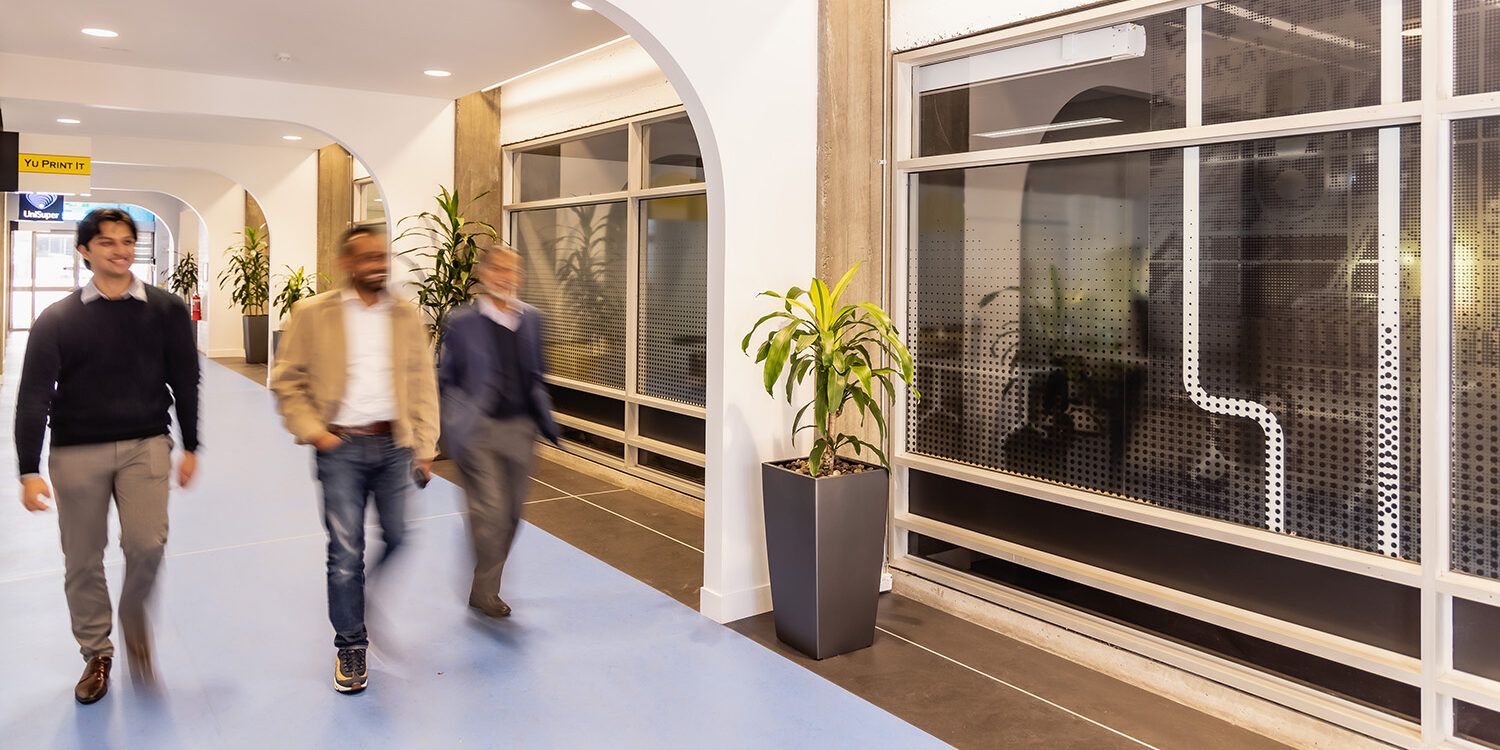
674,296
1286,57
1476,46
1475,536
1052,308
575,261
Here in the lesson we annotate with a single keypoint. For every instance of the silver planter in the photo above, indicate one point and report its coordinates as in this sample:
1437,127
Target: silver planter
824,542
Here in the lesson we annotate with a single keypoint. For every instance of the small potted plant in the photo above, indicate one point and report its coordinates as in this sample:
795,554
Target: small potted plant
299,285
183,280
247,277
825,513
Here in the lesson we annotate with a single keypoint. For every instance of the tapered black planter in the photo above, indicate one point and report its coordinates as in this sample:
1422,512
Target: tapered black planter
256,330
824,541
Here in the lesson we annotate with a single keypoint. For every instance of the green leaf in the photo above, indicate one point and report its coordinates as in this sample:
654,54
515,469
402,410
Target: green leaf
776,359
838,289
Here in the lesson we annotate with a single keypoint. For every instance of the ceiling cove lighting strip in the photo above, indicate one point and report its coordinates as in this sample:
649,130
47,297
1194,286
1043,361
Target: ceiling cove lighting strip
1048,127
1229,407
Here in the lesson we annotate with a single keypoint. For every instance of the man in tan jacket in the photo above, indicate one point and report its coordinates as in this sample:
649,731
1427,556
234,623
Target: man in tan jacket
354,378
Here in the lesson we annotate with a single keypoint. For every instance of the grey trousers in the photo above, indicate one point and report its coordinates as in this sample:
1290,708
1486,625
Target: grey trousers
85,477
496,467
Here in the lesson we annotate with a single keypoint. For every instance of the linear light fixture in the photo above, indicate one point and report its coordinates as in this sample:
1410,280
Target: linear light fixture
1069,125
554,63
1121,42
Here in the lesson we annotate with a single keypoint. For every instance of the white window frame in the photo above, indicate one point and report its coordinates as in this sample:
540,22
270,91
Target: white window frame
635,195
357,211
1434,577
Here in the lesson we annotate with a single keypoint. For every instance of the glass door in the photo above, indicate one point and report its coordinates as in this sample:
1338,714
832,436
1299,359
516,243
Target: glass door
44,269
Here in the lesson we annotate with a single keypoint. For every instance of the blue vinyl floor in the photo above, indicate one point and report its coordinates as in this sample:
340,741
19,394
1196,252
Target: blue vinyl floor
591,659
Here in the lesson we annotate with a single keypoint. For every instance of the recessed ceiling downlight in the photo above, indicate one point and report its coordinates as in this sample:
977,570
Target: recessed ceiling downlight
101,33
435,73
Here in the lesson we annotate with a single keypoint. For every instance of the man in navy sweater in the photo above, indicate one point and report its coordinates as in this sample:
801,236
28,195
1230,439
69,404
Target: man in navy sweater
105,365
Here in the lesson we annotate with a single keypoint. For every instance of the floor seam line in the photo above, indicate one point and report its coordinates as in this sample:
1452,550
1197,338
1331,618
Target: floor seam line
1019,689
624,517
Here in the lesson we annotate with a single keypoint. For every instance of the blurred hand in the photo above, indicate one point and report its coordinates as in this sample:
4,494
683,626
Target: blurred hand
424,465
32,492
329,442
187,466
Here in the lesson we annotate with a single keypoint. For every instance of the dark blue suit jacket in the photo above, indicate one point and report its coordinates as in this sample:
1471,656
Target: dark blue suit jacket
469,377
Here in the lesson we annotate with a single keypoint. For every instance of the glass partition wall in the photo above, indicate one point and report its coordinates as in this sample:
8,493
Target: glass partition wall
1203,301
612,223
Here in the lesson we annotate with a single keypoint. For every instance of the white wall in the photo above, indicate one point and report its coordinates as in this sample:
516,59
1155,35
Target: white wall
616,81
919,23
751,92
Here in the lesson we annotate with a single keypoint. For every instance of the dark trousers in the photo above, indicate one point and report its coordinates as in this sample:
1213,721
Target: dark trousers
496,466
361,469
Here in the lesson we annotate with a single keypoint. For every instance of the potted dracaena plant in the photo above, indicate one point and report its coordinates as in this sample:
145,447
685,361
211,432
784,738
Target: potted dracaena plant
451,249
299,285
247,276
183,280
825,513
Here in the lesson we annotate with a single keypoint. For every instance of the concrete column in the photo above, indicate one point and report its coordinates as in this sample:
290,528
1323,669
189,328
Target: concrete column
335,209
476,156
851,145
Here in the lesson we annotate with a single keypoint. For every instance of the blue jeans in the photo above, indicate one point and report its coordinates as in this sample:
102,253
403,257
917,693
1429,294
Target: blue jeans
360,469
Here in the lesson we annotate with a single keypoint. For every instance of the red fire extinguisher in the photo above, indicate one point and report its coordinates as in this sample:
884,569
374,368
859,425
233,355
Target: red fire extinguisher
197,307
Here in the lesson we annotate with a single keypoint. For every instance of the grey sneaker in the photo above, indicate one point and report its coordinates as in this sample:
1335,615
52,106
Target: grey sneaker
349,672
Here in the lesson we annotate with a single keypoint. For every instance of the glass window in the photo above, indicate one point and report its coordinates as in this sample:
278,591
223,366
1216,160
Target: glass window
369,206
20,260
672,153
575,261
1476,346
21,314
1047,305
1131,81
584,166
55,259
1476,46
674,298
1286,57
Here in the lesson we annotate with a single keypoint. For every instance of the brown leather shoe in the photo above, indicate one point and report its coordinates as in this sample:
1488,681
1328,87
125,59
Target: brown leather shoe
494,608
95,681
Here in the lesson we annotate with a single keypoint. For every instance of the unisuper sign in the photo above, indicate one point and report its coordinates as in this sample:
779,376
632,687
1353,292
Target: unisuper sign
52,164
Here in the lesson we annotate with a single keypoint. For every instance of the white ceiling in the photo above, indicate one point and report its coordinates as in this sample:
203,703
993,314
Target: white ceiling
30,116
374,45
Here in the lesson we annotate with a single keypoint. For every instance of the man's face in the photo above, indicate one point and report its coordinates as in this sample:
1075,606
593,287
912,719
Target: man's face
367,261
112,251
501,274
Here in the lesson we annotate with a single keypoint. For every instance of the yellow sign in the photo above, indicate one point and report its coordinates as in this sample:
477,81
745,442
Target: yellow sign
51,164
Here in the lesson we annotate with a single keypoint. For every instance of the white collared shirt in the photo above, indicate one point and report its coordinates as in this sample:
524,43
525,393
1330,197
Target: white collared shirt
137,290
369,390
509,318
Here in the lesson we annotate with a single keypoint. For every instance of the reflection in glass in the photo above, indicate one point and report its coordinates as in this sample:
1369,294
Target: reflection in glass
370,206
1476,346
1286,57
672,153
1476,56
673,299
1142,91
1046,313
583,166
575,274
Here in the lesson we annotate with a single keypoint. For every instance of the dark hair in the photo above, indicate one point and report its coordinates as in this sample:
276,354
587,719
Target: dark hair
88,228
352,233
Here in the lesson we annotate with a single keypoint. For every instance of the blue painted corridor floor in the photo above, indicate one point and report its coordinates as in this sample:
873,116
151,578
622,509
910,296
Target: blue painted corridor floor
592,657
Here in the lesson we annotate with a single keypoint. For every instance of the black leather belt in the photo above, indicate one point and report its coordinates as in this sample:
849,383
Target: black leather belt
364,430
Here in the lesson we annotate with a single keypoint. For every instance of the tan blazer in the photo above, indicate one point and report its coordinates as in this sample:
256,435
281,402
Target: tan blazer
312,364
